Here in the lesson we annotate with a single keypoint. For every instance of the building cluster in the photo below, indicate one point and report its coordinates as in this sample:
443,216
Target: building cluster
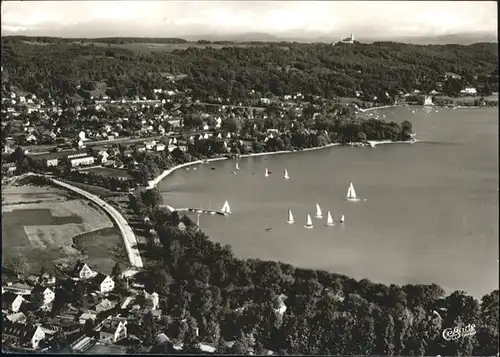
32,324
109,320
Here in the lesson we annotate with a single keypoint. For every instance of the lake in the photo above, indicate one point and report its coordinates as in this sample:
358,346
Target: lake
430,215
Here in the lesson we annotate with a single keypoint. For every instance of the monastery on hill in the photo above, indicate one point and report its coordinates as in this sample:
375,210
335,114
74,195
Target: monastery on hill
349,39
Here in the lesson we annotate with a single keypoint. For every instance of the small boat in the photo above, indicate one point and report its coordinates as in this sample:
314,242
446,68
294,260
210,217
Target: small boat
226,209
319,214
342,219
290,217
237,166
351,194
234,172
269,229
309,222
329,220
285,175
267,173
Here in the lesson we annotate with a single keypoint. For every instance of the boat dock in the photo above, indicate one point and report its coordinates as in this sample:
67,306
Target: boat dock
202,210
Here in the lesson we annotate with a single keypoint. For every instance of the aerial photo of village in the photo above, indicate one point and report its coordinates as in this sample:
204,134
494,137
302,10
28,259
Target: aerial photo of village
144,210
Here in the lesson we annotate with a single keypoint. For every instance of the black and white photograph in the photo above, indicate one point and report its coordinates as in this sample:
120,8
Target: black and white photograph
250,178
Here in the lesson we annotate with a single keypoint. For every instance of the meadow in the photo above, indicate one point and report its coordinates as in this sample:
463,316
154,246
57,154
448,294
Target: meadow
39,224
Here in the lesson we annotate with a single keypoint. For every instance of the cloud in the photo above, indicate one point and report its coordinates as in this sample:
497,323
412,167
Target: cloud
176,18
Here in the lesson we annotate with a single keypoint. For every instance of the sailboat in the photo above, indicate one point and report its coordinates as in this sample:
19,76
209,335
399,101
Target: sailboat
267,172
237,166
329,219
290,217
342,219
309,222
285,175
351,194
226,209
319,214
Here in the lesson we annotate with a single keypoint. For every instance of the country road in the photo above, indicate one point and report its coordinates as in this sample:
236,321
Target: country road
128,235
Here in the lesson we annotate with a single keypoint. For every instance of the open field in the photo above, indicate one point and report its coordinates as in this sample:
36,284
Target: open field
144,47
39,223
31,194
104,247
109,172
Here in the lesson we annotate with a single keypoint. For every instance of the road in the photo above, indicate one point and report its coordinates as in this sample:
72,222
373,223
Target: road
128,235
124,140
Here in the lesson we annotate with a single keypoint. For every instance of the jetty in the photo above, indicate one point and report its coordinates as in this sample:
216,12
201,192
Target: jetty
200,210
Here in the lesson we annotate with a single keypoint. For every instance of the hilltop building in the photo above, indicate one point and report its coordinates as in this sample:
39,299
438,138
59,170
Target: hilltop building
349,40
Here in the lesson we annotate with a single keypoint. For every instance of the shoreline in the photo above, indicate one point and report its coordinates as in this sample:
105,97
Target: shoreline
371,143
375,108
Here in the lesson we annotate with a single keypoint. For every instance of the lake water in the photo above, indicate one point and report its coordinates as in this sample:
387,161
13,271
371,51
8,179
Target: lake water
430,215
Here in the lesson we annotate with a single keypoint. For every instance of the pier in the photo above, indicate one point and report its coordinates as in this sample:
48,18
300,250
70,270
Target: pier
201,210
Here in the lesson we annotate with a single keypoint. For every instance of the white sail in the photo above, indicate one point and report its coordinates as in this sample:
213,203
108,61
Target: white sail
285,175
351,193
226,209
342,219
319,214
267,172
329,220
290,217
309,222
237,166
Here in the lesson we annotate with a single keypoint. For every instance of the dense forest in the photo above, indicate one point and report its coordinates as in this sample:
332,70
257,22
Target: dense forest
244,73
204,285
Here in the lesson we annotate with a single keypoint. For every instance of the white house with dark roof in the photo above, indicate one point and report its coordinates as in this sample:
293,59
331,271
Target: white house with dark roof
103,283
47,294
113,331
12,302
82,271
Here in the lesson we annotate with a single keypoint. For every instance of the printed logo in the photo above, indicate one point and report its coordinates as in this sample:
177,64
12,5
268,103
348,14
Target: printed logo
458,332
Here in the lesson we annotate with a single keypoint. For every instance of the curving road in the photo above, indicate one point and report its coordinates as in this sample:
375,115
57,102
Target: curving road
128,235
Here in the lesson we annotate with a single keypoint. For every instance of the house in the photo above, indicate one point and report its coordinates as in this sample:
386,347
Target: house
151,300
113,331
86,316
32,336
79,161
282,307
51,162
31,138
26,336
103,283
18,318
12,302
160,147
82,271
470,91
18,288
103,154
47,294
105,305
449,75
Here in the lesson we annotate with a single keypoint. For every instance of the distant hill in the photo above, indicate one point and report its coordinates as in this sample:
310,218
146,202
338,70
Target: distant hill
459,38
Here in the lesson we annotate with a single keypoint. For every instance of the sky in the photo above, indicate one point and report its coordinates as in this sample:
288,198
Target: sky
300,18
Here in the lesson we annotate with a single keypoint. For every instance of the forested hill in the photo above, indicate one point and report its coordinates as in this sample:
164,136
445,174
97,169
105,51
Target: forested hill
234,71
